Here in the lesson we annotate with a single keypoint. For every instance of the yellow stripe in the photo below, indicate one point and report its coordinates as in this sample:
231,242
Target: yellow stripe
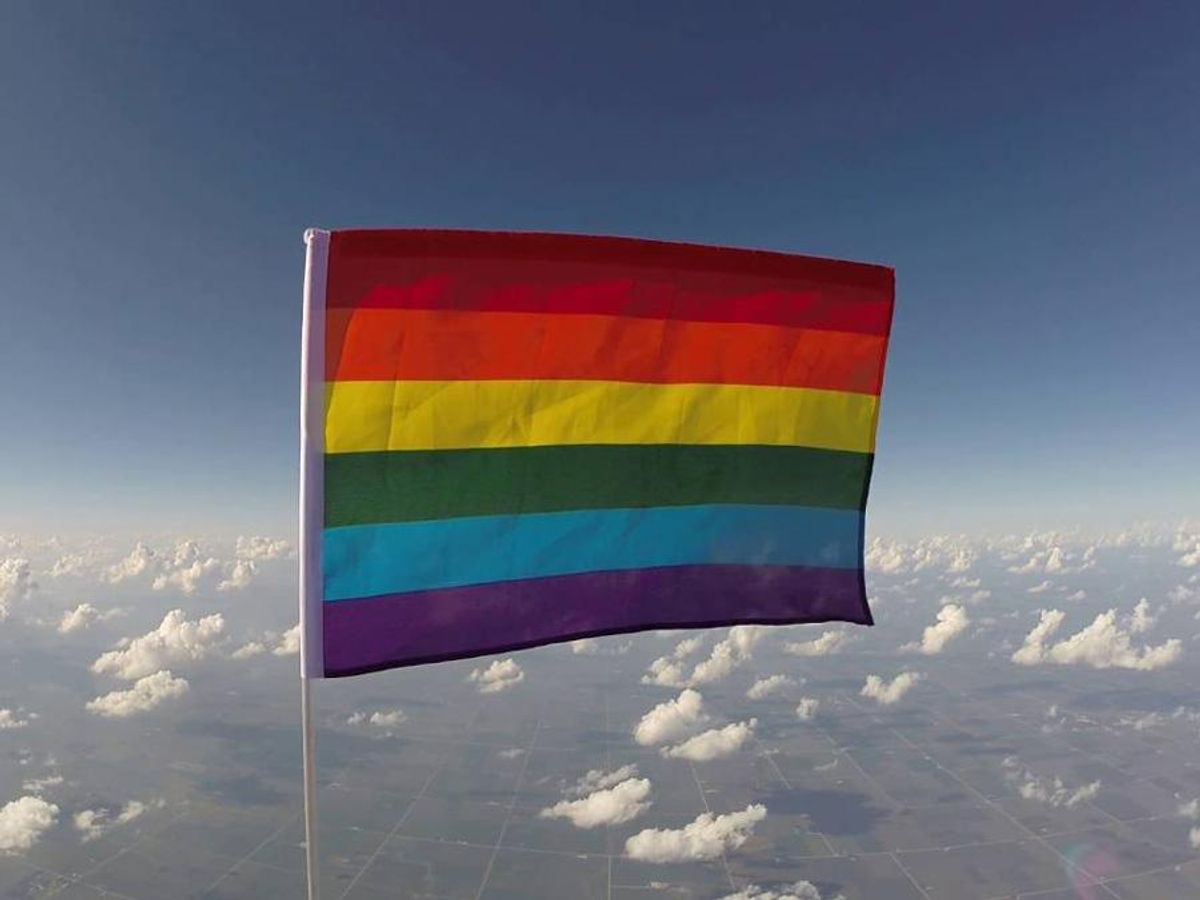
451,415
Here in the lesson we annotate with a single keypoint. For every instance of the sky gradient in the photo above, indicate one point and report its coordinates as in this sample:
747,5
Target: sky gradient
1032,174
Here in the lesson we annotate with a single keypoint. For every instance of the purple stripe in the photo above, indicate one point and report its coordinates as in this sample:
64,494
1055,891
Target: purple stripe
455,623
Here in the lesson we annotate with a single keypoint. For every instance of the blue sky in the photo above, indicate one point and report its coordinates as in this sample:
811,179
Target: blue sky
1032,172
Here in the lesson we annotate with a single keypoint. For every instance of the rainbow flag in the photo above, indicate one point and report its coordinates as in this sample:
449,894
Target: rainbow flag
516,439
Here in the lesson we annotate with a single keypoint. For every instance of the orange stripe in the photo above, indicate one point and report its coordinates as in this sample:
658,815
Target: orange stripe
451,345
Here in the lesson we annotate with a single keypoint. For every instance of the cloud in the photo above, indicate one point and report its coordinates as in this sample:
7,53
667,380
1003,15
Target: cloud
139,560
69,564
1104,644
38,785
764,687
146,694
383,718
1191,809
23,821
187,578
187,567
84,616
94,822
1041,587
16,584
951,621
501,675
608,799
176,640
670,670
1053,559
1194,834
10,720
705,838
261,548
238,576
735,650
671,720
595,779
593,647
801,890
806,711
1033,650
715,743
886,693
289,642
1049,791
1142,619
826,645
248,649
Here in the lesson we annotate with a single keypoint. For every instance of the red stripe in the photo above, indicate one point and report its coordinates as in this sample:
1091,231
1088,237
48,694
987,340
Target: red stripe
504,272
445,345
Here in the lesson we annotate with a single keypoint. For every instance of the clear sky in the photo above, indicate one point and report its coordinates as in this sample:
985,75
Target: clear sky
1032,171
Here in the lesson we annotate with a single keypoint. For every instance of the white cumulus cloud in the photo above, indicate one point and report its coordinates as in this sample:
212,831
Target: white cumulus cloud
176,640
594,647
139,560
289,642
22,822
237,576
764,687
806,711
1142,619
826,645
735,650
94,822
671,670
800,890
145,695
1105,644
82,617
672,720
383,718
10,719
728,654
16,584
714,743
952,620
501,675
1051,791
705,838
261,548
610,803
888,692
248,650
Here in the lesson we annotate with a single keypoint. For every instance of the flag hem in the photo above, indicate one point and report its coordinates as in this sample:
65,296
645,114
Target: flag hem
312,452
514,647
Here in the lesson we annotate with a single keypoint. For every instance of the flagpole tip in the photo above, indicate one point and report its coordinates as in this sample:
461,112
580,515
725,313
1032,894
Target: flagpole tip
311,234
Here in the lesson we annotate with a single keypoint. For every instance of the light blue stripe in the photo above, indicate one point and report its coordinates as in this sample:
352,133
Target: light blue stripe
368,560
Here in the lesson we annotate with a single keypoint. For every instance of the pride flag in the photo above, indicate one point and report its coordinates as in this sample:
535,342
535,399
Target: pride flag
517,439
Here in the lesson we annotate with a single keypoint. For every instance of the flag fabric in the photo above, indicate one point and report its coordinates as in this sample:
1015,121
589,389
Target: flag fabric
518,439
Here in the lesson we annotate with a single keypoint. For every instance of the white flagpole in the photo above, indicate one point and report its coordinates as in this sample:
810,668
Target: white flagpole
312,446
310,790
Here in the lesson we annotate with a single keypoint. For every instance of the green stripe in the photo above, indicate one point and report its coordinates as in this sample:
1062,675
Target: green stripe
405,486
